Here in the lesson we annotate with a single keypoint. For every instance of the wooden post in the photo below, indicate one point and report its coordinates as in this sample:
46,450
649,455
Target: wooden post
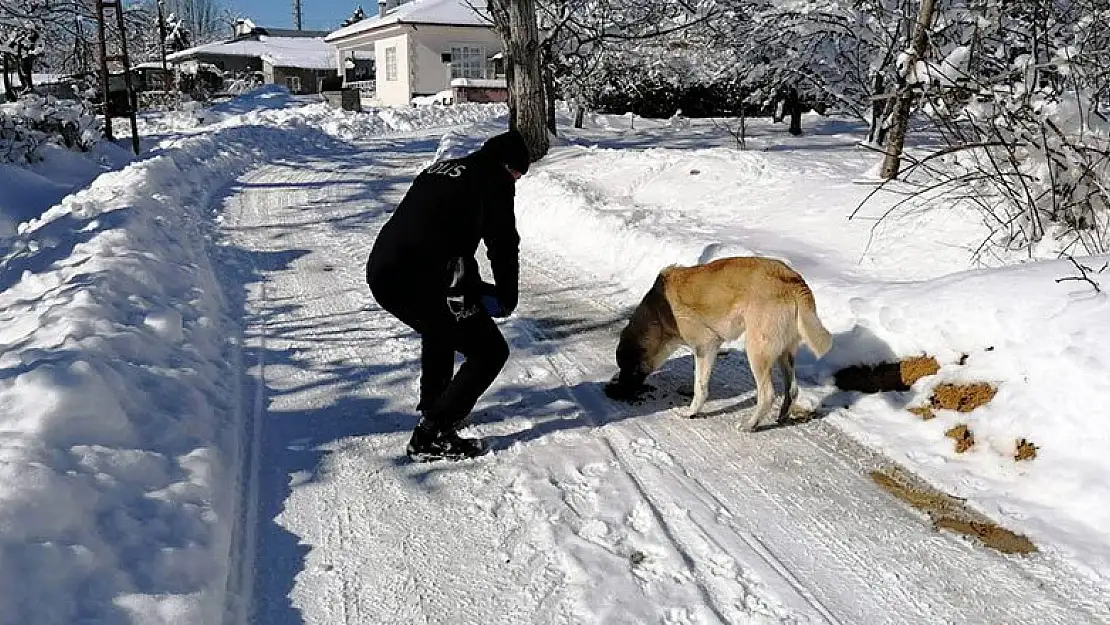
132,97
104,76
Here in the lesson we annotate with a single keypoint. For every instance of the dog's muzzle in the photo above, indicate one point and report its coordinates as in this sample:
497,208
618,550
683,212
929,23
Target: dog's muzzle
626,387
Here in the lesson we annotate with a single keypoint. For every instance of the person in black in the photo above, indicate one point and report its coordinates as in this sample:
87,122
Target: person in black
422,270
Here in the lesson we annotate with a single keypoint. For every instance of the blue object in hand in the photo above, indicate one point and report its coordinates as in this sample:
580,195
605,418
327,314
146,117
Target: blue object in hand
493,306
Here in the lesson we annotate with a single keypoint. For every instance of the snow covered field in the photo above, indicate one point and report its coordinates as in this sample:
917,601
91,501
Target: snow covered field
204,413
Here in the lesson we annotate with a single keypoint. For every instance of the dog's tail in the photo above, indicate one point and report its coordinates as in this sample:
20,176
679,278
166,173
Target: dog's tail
809,325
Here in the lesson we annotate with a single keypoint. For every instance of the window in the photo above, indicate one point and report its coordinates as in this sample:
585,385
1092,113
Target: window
294,83
391,63
468,62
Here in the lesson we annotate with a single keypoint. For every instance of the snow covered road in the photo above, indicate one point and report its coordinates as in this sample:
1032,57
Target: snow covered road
587,511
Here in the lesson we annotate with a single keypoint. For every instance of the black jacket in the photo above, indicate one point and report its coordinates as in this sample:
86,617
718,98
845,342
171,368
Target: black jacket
450,207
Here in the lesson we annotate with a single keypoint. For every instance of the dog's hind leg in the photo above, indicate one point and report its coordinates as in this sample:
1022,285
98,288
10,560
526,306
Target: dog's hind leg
704,358
761,364
786,364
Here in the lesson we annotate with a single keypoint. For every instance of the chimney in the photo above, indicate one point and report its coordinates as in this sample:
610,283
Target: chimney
383,6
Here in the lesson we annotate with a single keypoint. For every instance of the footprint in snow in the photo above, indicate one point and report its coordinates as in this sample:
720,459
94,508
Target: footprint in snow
647,449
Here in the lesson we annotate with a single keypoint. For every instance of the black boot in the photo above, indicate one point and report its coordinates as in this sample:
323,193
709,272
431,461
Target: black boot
427,445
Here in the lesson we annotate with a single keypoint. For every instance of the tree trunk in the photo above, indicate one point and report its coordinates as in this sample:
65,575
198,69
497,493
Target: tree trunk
579,116
549,87
515,21
512,95
794,107
549,92
743,126
901,120
877,107
9,90
888,112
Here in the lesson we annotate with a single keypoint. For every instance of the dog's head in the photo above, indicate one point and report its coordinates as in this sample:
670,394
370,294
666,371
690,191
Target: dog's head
633,367
646,341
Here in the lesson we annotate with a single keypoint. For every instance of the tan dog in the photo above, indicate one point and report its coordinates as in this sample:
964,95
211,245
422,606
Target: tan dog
703,307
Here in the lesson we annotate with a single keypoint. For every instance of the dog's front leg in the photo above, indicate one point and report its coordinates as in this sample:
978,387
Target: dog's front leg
704,357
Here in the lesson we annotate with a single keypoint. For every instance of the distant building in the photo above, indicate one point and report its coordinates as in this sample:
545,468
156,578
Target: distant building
148,76
297,59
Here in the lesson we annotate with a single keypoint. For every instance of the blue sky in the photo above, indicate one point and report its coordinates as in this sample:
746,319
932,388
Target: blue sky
315,14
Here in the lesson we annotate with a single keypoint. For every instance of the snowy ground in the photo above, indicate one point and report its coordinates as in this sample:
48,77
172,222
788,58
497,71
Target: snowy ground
205,412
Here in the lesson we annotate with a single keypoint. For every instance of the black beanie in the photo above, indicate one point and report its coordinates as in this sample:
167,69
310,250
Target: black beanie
509,148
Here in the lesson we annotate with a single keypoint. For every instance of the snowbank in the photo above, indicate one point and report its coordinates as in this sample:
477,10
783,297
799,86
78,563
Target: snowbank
31,188
1044,345
622,215
121,435
119,458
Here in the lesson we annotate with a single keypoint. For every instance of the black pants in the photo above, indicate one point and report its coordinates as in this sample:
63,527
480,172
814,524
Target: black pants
448,397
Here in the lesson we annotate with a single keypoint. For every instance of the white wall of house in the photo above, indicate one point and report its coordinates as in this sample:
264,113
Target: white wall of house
419,50
398,91
429,73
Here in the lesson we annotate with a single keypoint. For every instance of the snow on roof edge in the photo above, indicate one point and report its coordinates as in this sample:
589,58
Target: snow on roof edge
450,13
300,52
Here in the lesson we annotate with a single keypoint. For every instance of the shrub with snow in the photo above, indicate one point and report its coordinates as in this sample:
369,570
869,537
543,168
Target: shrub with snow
33,121
1033,159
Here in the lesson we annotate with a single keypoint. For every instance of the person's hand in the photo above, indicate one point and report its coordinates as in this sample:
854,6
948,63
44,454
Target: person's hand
491,302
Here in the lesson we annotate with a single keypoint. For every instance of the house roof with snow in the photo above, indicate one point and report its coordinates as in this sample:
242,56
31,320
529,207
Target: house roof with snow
299,52
470,13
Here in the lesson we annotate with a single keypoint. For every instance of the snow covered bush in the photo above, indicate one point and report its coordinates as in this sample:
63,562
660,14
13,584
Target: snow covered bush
1040,163
1014,91
32,121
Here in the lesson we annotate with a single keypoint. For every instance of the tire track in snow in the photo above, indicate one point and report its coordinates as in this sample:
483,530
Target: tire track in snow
391,542
687,536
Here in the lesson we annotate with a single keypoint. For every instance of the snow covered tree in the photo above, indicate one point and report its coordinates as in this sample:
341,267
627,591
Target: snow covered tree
906,67
66,33
22,23
588,43
203,20
177,34
1016,89
355,17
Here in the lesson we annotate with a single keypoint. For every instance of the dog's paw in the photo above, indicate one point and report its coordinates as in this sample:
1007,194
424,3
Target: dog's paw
690,413
747,426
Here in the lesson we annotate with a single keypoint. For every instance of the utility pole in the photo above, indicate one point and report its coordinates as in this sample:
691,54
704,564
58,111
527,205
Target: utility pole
297,14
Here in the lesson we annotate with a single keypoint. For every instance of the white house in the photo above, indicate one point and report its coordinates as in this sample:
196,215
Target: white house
421,46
